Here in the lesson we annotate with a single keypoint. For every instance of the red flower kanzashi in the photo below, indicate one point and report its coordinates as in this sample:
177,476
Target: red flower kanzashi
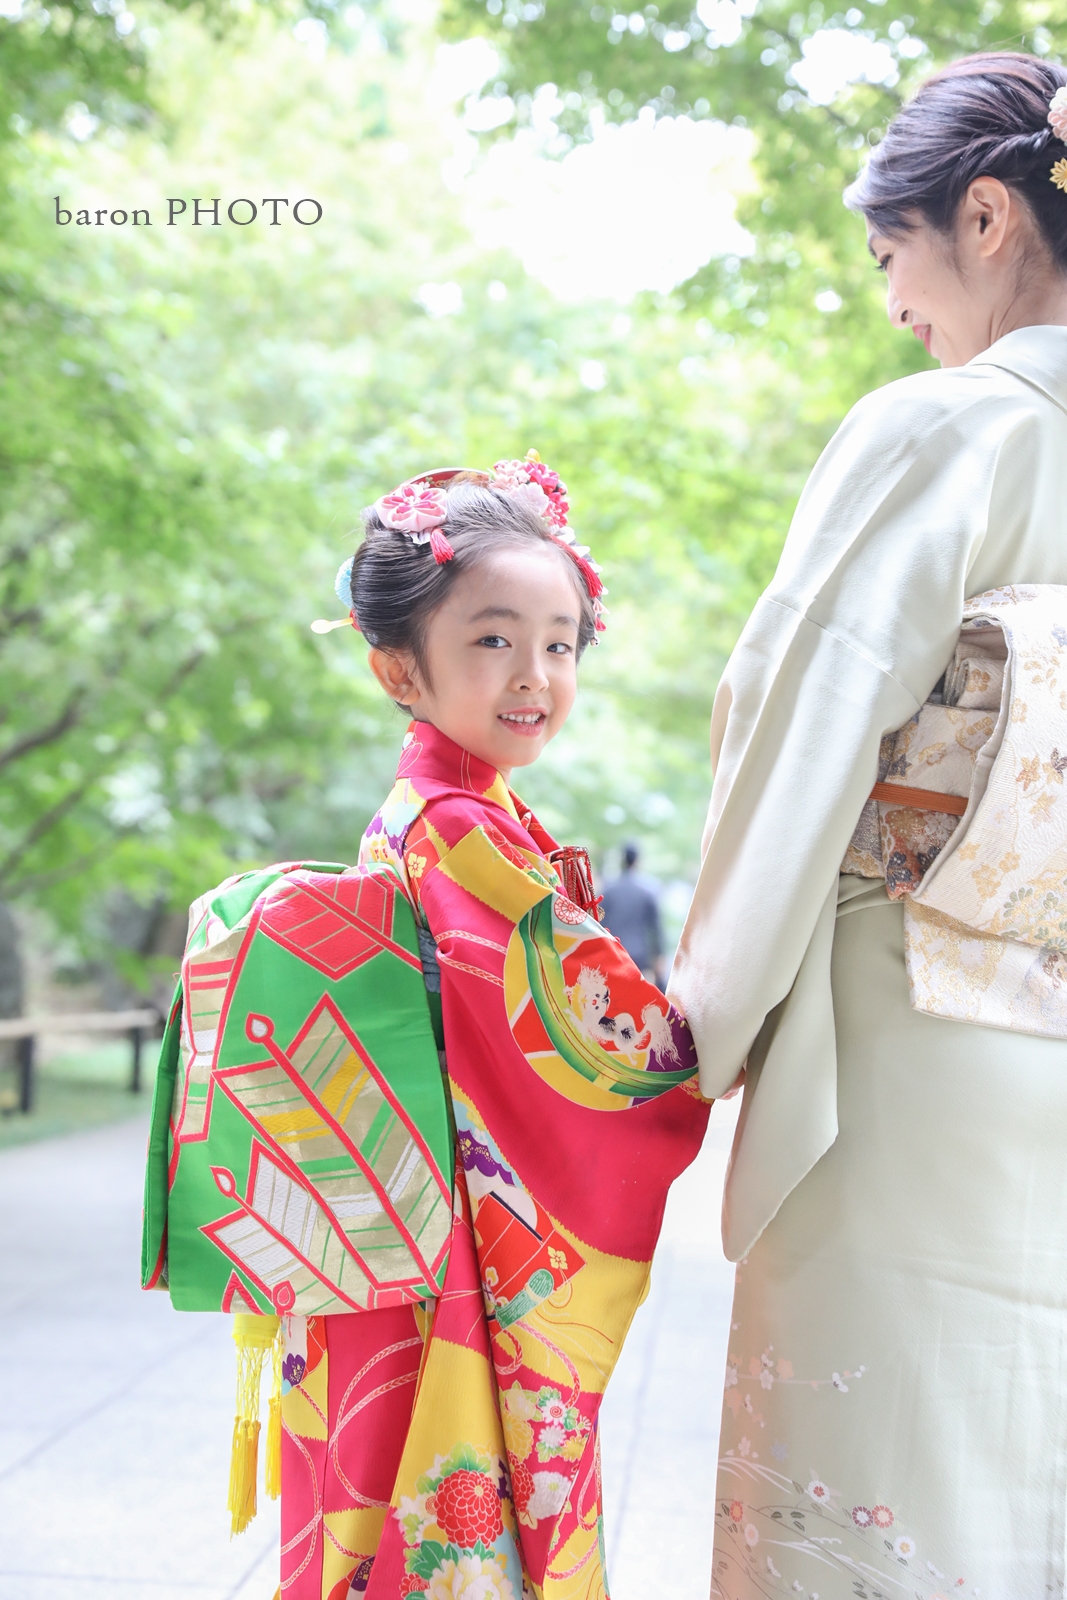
556,492
467,1508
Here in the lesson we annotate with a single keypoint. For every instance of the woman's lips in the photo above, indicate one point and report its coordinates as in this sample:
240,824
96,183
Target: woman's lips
516,722
923,331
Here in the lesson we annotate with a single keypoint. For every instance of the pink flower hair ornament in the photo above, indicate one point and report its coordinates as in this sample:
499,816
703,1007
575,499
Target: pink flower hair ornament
419,510
1057,120
1057,114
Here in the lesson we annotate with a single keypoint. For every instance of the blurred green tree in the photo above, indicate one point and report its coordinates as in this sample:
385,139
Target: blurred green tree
191,419
815,85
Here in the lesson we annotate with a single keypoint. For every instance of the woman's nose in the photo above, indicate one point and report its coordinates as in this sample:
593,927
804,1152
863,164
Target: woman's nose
897,312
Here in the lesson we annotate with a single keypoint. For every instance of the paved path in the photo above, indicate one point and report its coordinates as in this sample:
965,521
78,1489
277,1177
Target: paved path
117,1411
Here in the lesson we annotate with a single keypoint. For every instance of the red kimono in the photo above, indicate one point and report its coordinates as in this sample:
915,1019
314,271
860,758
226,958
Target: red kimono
450,1447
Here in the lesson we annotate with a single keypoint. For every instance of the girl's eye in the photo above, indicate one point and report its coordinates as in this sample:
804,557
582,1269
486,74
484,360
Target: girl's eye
560,649
883,264
494,641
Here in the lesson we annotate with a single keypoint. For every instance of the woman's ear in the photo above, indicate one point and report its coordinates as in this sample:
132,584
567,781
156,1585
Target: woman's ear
395,670
987,213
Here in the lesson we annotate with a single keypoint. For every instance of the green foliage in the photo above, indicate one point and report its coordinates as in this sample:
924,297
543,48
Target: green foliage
191,419
736,65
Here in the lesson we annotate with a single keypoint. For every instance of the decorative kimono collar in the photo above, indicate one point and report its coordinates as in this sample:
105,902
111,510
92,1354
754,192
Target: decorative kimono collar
1038,355
432,755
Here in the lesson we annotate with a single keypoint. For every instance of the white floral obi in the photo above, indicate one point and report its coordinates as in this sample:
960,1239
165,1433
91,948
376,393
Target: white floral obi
985,926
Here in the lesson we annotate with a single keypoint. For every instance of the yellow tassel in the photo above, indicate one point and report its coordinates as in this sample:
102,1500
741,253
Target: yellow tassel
272,1467
253,1336
241,1503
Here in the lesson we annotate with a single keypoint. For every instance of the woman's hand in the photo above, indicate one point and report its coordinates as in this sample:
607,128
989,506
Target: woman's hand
735,1087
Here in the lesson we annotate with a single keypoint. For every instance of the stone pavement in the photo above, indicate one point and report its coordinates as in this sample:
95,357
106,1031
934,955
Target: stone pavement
116,1417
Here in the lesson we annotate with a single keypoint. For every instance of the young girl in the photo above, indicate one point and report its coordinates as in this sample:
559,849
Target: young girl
451,1447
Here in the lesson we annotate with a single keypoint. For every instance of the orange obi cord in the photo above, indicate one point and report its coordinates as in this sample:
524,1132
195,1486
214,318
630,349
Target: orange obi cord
898,794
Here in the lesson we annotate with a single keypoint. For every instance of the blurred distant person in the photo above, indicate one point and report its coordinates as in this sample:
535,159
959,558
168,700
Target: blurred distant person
631,912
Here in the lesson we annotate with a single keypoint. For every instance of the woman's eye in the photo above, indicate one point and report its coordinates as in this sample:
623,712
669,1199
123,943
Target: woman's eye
494,641
883,263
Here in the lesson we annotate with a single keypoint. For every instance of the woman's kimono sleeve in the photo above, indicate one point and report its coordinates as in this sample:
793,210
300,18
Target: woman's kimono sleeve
848,641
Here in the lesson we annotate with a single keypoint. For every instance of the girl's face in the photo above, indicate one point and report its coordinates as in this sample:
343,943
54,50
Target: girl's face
500,658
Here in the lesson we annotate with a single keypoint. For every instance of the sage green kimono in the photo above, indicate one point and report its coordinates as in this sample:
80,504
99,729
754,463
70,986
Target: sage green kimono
896,1399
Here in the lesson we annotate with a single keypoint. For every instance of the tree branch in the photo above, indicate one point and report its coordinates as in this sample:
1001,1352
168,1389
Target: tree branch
46,735
44,824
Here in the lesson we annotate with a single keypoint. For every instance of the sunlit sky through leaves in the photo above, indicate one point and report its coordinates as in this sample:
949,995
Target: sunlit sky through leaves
642,206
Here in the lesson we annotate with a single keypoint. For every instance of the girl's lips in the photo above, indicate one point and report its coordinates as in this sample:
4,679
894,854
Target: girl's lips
923,331
525,730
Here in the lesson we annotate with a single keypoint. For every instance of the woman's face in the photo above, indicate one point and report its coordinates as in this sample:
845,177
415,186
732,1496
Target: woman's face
924,292
959,293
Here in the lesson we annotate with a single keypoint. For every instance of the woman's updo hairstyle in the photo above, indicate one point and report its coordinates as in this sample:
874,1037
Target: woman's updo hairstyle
984,116
398,585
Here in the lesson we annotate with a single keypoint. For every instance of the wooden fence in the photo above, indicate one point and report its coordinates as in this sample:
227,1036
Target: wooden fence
25,1031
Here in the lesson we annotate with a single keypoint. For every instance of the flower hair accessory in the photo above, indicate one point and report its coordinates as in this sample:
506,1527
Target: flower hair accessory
1057,120
419,509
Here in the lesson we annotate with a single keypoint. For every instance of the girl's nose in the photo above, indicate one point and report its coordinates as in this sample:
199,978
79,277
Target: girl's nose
531,677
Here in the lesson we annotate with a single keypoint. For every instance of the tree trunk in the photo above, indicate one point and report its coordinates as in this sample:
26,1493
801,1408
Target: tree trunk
11,980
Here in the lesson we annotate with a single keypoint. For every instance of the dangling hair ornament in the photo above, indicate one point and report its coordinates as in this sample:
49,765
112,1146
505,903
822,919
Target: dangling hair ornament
343,588
1057,119
419,509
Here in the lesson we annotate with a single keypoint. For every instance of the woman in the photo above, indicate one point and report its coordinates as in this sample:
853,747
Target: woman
896,1403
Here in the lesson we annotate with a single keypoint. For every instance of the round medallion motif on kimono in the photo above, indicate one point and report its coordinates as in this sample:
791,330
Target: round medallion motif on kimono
579,1011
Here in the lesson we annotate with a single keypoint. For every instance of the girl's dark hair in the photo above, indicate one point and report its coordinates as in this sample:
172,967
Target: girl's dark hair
982,116
398,585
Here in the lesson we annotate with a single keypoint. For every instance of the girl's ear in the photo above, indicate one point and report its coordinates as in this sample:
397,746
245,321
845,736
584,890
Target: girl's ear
396,672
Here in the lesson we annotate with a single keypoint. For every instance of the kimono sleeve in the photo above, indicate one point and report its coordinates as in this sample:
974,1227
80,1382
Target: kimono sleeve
574,1002
848,641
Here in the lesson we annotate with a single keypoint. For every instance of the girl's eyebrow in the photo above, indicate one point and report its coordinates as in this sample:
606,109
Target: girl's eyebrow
496,611
516,616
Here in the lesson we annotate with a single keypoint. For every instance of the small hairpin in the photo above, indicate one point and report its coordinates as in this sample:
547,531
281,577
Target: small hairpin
343,589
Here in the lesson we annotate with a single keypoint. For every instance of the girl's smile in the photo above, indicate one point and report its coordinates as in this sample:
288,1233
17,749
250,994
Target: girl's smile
526,723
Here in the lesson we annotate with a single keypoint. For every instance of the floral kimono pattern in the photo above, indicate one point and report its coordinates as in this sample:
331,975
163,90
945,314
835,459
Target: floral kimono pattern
479,1408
